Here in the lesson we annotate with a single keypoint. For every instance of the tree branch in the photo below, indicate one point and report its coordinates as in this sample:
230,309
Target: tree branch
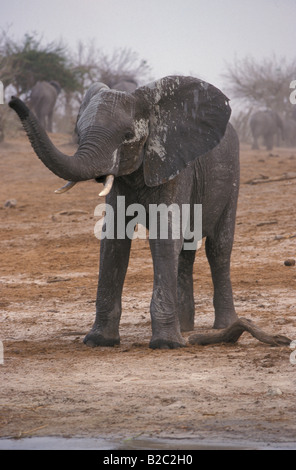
233,333
288,176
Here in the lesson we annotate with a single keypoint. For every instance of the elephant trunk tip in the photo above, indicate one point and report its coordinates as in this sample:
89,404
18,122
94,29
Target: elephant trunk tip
19,107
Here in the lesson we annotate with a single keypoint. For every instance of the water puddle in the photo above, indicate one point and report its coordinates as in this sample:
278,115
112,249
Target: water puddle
61,443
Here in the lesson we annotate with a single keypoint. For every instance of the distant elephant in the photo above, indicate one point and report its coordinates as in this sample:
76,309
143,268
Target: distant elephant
268,125
127,85
167,142
42,101
289,126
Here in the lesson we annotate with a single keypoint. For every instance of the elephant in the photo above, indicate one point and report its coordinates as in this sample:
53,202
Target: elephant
268,125
168,142
289,126
42,101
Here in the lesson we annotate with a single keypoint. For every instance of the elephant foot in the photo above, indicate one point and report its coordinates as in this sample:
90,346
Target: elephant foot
165,343
224,320
95,338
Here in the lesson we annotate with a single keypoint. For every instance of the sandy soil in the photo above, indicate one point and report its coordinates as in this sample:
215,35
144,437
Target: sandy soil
53,385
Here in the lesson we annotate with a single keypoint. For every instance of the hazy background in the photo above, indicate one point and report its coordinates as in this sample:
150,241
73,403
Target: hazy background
173,36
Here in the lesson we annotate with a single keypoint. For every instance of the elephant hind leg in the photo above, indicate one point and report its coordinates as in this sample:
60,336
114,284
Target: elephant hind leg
185,290
255,145
218,251
49,121
268,140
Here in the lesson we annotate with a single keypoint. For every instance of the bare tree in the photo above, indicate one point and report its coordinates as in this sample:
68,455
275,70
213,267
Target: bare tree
253,84
264,83
122,64
90,64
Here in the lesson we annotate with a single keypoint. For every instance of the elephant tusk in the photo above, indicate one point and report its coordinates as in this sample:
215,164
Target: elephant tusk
107,185
66,187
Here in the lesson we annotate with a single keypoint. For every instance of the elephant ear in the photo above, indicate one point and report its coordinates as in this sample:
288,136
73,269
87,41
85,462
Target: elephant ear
188,118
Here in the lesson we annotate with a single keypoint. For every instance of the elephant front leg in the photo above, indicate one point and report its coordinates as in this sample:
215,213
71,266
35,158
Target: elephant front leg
166,332
113,265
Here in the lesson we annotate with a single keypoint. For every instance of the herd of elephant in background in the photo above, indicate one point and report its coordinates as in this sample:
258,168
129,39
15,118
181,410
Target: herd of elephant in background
274,130
267,127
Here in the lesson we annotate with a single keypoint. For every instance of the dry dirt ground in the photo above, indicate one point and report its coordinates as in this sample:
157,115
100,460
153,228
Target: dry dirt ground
53,385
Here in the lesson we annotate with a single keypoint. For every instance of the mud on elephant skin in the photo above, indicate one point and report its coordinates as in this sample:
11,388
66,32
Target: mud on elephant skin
168,142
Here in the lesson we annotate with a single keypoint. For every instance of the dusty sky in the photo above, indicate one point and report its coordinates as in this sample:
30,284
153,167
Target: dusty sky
174,36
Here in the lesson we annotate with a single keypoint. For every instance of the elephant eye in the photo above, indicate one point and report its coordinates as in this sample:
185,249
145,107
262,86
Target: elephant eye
129,135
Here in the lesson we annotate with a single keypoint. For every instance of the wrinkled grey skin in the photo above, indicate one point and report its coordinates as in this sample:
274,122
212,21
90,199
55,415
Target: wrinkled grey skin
42,101
268,125
126,85
168,142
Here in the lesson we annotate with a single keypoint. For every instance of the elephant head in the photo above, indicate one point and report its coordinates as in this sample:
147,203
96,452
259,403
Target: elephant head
163,126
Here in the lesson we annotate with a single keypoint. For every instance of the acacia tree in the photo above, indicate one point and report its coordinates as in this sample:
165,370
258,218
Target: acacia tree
25,62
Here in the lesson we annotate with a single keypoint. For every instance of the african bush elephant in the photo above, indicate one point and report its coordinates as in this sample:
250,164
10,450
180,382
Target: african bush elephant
127,85
266,124
42,101
168,142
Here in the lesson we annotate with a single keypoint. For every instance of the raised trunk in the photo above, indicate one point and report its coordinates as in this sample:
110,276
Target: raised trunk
79,167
